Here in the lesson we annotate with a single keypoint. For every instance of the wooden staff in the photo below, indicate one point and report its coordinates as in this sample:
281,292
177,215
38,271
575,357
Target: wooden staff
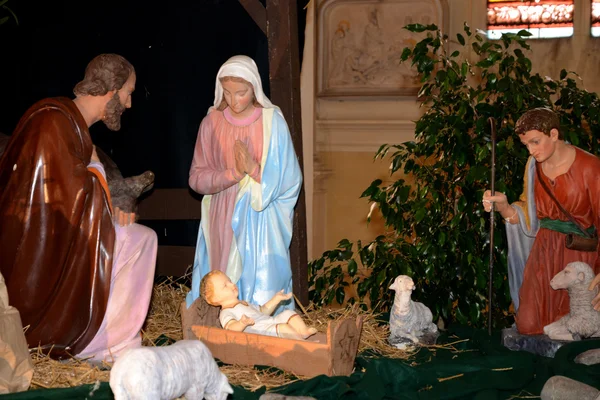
492,122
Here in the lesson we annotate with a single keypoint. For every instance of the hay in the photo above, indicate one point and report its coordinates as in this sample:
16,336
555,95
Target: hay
164,316
49,373
374,334
164,322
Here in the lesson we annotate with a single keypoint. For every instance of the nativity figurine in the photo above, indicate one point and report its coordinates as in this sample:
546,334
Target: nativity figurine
582,321
218,290
410,321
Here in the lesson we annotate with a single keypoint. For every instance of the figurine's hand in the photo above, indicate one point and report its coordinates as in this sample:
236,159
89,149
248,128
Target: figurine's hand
595,300
243,160
123,218
281,296
246,320
499,199
239,160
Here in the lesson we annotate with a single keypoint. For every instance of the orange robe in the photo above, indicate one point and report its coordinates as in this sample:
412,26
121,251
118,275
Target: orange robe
578,191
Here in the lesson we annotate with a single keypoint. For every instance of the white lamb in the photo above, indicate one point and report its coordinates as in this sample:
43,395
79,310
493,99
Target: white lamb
410,321
582,321
165,373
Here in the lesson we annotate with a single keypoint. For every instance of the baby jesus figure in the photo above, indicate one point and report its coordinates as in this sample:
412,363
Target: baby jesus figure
218,290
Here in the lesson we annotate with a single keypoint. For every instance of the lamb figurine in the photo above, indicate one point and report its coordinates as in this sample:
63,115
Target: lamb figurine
582,321
164,373
410,321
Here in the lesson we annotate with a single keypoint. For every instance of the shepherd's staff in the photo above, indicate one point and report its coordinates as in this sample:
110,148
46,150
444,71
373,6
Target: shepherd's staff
492,122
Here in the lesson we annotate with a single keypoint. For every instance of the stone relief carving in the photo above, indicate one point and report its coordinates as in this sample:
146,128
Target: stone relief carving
361,42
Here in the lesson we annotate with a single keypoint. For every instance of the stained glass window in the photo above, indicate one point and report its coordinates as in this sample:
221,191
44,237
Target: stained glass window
543,18
596,18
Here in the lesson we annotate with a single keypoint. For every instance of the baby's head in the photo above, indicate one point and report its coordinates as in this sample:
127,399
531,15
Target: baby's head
218,290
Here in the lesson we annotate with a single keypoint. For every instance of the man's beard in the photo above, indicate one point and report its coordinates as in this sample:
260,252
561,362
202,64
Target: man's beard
114,109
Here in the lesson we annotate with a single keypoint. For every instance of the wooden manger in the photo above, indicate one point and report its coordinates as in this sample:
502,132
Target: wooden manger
330,353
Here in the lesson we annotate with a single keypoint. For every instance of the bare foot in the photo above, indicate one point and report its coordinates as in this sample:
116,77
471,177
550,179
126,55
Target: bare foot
290,335
309,332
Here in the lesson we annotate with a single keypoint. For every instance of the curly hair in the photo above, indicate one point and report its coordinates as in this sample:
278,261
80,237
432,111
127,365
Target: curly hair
104,73
207,289
585,269
539,119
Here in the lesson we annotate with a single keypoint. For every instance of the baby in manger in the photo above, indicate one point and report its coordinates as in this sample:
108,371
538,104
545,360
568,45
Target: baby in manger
218,290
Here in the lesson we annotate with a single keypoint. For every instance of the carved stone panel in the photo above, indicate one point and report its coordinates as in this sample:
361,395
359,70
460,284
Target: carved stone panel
361,42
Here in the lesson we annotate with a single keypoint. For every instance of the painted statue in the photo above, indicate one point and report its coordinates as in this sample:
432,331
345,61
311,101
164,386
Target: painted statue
186,368
218,290
536,226
79,270
245,166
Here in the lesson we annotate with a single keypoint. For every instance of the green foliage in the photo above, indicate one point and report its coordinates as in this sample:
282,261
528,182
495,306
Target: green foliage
437,230
5,10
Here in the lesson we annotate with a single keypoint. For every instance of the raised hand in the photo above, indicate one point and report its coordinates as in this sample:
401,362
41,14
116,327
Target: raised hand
246,321
499,199
281,296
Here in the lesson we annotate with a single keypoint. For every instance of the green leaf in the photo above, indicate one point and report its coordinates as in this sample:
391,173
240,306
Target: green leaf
467,29
524,33
319,284
519,53
420,27
504,84
461,39
420,214
462,203
340,295
381,277
352,267
563,74
441,238
464,68
519,100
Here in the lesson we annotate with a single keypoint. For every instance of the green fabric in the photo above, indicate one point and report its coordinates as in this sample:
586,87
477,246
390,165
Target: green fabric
489,371
565,227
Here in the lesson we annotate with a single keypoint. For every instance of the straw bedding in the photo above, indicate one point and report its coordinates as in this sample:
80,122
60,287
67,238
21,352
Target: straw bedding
164,322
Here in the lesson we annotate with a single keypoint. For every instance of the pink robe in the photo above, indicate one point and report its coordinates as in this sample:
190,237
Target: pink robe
213,172
132,281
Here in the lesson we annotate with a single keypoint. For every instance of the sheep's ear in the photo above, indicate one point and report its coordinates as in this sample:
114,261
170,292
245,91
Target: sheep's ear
581,276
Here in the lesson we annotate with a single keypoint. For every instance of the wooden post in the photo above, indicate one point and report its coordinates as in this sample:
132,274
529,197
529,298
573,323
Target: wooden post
284,76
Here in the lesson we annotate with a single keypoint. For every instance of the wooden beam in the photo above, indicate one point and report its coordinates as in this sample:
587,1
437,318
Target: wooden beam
284,76
258,13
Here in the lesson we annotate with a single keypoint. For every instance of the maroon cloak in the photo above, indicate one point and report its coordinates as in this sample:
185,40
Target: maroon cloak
56,230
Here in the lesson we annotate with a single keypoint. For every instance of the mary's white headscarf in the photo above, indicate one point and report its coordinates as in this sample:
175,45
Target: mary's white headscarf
241,67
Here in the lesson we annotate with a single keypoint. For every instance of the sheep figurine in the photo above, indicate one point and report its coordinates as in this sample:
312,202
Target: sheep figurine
164,373
410,321
582,321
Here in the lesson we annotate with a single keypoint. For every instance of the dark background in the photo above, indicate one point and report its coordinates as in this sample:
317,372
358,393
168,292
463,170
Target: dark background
176,48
